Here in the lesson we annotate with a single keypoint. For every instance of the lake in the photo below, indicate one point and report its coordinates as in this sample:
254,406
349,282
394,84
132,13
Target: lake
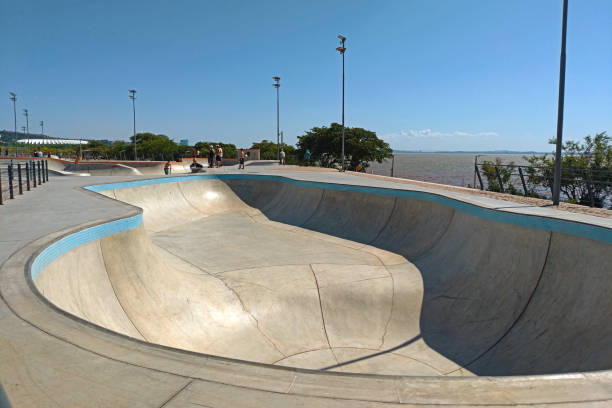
455,169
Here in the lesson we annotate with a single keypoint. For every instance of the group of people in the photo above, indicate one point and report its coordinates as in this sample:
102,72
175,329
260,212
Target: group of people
215,156
215,159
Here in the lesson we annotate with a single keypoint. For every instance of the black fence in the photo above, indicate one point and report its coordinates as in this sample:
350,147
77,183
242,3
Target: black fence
19,176
579,186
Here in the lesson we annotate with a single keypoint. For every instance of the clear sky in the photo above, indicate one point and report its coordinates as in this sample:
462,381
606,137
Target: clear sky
422,74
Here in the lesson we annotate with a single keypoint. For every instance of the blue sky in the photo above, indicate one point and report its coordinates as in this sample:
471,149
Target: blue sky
422,74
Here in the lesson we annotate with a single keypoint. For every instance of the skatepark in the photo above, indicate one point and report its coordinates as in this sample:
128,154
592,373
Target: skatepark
301,288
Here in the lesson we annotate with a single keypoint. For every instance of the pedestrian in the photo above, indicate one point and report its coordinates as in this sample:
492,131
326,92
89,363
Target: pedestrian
282,157
219,156
241,165
307,157
167,168
211,156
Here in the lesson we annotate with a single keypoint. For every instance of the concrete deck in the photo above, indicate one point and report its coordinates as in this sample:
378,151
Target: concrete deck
278,265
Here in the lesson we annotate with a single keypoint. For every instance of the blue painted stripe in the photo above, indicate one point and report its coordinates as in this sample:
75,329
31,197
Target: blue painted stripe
77,239
531,221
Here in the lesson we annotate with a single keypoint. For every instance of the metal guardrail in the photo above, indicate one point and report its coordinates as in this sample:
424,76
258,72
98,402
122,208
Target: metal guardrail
15,178
538,180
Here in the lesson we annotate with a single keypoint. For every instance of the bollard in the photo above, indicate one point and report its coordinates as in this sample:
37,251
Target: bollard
39,177
27,171
1,199
33,167
10,176
47,170
19,178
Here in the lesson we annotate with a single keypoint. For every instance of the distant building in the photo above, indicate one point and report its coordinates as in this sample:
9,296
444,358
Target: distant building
185,142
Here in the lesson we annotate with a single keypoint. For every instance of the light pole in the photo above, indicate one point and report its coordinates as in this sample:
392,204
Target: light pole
276,84
133,98
42,128
342,50
26,113
13,98
557,180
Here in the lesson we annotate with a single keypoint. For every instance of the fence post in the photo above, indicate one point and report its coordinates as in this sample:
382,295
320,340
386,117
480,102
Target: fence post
47,170
550,181
19,178
499,180
523,181
392,164
479,178
589,184
1,199
27,172
39,177
10,176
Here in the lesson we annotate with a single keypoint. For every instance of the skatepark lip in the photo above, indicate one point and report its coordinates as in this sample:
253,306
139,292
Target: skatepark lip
34,251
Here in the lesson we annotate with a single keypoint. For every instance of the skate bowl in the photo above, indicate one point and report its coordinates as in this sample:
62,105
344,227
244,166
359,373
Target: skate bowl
341,279
108,168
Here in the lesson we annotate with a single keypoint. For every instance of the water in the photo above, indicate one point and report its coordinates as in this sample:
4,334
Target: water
455,169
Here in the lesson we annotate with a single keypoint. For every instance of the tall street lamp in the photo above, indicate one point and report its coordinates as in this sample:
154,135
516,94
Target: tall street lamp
133,98
26,113
276,84
557,180
342,50
42,128
13,98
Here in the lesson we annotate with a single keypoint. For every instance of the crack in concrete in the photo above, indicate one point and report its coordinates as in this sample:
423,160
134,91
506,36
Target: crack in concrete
257,325
322,315
382,340
173,396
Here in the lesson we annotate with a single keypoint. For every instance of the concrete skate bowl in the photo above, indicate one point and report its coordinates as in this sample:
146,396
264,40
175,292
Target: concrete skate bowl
100,168
339,278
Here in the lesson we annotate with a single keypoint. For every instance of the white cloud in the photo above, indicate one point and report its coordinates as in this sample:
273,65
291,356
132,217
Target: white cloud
430,139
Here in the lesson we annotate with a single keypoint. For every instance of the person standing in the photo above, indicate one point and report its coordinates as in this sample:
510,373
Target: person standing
282,157
219,156
167,168
307,157
241,165
211,156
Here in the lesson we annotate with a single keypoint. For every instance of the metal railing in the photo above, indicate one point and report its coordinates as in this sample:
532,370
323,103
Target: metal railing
17,176
578,185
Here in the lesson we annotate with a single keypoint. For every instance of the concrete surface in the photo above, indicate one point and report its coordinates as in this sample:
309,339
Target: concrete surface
306,277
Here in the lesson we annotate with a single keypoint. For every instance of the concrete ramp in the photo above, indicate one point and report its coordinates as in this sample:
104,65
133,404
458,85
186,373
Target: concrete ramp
343,278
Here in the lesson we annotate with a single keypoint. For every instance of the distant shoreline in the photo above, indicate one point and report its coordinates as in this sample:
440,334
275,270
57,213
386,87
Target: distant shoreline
468,152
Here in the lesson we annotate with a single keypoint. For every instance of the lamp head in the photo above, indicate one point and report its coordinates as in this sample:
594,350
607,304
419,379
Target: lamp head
13,95
341,50
342,38
276,78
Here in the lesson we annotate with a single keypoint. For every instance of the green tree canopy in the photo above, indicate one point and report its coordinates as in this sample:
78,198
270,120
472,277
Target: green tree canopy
361,146
229,149
588,161
154,147
267,149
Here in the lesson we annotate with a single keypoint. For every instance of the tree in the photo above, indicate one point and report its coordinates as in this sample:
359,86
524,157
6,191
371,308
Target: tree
582,165
492,169
229,149
153,147
325,145
267,150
